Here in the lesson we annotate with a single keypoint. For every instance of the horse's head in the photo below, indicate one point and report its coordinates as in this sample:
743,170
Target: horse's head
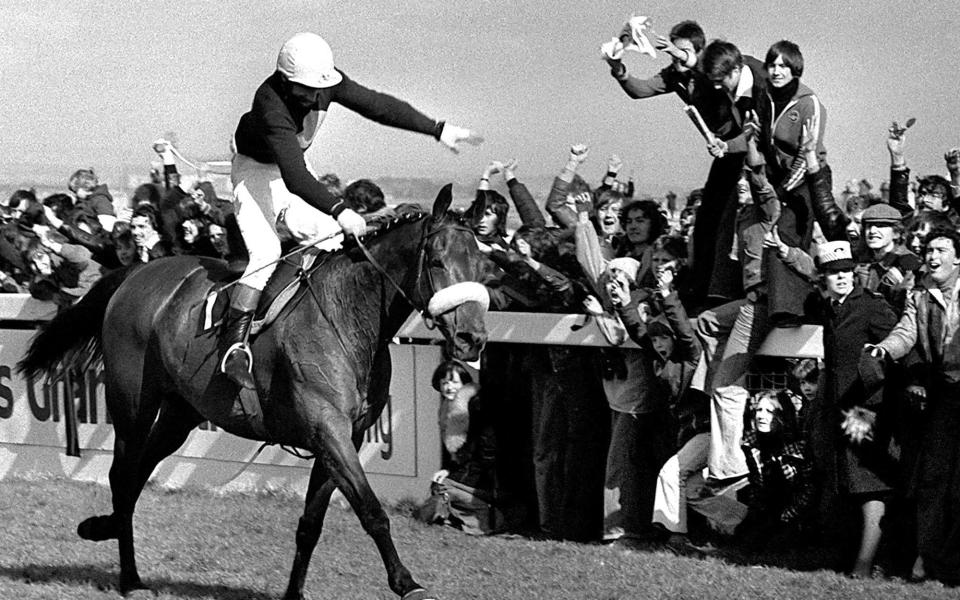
448,281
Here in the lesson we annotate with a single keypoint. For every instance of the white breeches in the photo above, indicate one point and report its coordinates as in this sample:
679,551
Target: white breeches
267,210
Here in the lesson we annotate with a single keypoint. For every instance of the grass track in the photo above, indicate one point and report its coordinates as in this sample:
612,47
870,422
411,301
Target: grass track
197,545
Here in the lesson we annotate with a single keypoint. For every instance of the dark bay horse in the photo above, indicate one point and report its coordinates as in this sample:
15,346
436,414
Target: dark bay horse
322,369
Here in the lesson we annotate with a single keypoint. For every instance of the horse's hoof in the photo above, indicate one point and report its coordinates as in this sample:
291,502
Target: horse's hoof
136,589
418,594
97,529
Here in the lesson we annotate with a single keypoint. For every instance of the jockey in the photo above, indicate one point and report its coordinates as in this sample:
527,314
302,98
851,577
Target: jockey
272,180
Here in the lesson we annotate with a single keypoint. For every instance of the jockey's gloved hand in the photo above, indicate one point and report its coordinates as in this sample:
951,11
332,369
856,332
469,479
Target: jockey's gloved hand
451,136
352,223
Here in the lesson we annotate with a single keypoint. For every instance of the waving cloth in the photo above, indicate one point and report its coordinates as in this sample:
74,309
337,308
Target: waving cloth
632,37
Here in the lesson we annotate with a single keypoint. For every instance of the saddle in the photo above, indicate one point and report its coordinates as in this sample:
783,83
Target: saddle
284,283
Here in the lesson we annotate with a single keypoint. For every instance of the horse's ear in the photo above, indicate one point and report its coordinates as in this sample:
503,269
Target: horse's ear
443,201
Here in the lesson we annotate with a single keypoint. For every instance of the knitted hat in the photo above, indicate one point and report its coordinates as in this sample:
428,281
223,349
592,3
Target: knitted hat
630,266
835,255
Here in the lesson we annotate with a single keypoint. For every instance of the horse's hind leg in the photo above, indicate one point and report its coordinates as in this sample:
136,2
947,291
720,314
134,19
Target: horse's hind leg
310,526
134,461
343,464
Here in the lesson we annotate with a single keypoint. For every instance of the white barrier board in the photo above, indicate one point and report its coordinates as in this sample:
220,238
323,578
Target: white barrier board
400,454
397,454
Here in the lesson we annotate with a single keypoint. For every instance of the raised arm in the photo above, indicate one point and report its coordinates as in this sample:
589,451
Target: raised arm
686,339
833,221
899,173
563,215
952,158
527,208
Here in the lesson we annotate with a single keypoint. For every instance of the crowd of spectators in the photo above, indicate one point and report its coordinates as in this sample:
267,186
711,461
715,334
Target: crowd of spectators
55,248
659,438
671,441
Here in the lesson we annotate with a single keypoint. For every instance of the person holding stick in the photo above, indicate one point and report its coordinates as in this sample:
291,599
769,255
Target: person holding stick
717,96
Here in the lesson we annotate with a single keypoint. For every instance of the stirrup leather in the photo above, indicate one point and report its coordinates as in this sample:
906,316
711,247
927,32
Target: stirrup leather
237,347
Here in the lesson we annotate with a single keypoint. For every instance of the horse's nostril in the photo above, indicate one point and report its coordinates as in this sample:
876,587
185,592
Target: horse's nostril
469,338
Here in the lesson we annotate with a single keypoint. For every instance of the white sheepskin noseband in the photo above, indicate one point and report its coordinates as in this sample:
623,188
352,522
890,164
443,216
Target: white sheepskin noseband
453,296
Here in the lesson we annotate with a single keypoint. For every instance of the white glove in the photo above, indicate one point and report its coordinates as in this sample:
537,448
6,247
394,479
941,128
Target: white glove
452,135
352,223
612,50
440,476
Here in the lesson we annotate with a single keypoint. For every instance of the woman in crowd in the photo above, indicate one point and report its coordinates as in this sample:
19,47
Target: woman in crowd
462,492
781,491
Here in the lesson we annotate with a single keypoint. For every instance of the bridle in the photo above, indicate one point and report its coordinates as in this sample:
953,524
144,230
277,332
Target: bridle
431,229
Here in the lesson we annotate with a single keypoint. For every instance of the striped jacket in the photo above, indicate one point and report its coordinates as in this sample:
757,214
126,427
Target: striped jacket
784,132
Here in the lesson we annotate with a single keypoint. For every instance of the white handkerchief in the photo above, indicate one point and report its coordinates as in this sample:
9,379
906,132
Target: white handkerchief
640,42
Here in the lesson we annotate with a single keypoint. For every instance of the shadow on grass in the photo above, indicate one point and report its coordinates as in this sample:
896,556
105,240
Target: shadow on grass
104,579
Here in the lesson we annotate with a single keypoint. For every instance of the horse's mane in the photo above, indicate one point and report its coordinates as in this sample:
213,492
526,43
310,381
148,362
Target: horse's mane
388,220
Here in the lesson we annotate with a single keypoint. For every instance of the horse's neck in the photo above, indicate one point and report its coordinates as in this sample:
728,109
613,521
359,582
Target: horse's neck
396,252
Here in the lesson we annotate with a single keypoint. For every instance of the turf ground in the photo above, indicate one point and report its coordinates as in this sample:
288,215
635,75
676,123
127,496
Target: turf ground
197,545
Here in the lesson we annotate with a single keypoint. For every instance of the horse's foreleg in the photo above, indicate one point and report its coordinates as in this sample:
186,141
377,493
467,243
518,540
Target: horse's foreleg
343,464
308,530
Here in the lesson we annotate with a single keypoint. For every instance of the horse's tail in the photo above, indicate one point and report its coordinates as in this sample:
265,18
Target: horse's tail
75,332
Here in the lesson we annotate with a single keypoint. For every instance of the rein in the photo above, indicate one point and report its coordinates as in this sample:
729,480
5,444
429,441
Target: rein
376,264
421,253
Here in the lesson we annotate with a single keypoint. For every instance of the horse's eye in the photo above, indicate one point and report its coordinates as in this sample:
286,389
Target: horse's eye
437,263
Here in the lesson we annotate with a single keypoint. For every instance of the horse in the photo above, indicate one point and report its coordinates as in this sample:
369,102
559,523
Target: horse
322,368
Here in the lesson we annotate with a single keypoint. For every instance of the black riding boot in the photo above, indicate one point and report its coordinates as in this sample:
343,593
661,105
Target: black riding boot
237,360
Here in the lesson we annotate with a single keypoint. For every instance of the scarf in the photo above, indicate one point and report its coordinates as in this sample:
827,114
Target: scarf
455,418
782,96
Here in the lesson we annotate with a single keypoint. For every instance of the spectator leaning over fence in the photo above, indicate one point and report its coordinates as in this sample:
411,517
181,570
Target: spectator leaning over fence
929,325
99,244
852,458
92,198
62,272
566,434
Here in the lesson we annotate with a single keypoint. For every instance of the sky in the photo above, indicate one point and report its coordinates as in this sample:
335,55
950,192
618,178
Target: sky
94,83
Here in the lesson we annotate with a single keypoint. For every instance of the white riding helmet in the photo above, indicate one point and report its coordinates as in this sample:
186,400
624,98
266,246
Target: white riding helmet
307,59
